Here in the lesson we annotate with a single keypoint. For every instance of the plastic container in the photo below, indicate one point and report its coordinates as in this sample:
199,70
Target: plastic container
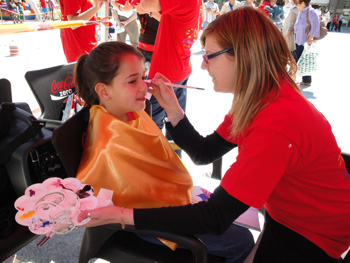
13,49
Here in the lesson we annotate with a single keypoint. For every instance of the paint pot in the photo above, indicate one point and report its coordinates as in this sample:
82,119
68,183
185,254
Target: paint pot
13,49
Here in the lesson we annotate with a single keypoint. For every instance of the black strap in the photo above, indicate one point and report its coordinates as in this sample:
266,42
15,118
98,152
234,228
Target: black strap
30,132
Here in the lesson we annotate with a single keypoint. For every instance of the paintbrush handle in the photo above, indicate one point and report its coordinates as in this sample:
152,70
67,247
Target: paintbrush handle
176,85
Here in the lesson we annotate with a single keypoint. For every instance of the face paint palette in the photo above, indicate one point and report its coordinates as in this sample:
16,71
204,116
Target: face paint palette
53,206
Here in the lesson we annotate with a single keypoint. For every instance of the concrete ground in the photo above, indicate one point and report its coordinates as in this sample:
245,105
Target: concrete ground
330,93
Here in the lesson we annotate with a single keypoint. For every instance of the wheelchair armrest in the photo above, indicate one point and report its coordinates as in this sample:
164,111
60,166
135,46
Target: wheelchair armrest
198,249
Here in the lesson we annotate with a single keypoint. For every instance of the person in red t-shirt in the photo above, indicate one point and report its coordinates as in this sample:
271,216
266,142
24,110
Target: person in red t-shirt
78,41
335,22
288,159
43,9
263,5
178,30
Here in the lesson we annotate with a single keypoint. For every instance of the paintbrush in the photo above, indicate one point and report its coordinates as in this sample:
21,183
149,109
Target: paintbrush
175,85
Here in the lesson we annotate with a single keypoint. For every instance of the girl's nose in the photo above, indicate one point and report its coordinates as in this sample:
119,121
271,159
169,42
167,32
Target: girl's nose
143,86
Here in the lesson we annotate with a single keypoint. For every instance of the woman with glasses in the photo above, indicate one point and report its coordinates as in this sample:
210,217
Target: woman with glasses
126,152
301,37
288,160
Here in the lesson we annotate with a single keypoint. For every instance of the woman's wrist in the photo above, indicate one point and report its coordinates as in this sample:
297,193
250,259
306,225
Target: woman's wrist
178,116
175,118
126,216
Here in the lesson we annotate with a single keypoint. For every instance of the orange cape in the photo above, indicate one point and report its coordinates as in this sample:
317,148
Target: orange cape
135,160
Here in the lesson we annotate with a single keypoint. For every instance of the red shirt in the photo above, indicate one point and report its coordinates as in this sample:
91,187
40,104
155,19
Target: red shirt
43,3
177,31
336,19
290,163
262,7
80,40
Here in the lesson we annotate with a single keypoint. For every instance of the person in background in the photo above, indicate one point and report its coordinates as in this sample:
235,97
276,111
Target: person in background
127,19
23,3
288,28
318,11
326,17
276,12
230,6
264,4
288,5
11,6
335,22
248,3
136,160
51,6
341,16
149,22
298,175
78,41
300,26
20,12
211,11
178,30
330,21
43,10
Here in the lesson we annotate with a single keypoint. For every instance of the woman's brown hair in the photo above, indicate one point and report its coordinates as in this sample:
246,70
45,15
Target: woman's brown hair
262,60
101,65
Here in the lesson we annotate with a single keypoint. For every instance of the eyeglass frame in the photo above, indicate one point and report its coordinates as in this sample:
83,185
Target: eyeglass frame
207,57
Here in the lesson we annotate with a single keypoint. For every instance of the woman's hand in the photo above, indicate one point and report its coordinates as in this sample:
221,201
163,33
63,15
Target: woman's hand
107,215
100,216
126,7
310,40
164,94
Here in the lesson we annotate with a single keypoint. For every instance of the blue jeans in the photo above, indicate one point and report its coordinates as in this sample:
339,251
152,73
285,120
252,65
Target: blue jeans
234,245
205,24
298,51
158,113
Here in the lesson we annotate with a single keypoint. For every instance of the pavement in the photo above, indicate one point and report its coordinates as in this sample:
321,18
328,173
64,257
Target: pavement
330,93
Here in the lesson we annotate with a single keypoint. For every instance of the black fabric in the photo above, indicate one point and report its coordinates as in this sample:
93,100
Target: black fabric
149,28
280,244
212,216
5,118
7,199
29,133
202,150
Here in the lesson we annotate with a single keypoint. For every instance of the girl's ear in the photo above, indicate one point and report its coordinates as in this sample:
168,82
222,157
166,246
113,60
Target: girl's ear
101,90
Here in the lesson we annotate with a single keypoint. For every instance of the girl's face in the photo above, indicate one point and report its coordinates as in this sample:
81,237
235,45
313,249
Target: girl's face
127,90
221,68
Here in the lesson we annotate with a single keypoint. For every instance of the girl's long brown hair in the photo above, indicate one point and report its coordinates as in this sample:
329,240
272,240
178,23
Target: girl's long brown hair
262,60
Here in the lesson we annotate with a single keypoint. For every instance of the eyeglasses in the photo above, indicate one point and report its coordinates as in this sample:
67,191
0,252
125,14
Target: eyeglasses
207,57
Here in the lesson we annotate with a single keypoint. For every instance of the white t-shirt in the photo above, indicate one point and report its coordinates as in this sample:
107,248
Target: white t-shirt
213,6
287,8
